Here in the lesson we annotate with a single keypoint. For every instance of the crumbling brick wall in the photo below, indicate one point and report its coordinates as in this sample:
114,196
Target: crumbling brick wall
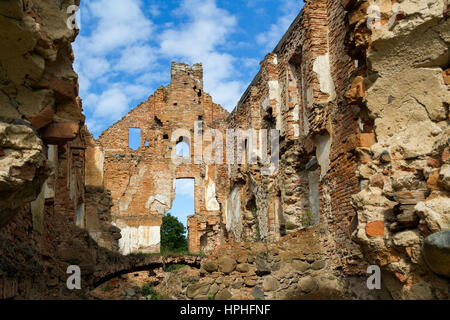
39,101
142,181
42,155
342,147
403,94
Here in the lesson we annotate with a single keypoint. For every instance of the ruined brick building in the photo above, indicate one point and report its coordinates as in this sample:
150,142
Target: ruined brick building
142,181
361,107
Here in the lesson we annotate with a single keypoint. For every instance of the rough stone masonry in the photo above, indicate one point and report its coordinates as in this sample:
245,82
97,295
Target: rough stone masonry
359,91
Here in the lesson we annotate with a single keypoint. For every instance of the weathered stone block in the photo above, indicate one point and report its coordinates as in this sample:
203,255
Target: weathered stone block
307,284
42,119
226,264
210,266
60,132
270,284
436,252
197,289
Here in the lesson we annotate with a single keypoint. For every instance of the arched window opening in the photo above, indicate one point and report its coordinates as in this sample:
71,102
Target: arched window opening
183,149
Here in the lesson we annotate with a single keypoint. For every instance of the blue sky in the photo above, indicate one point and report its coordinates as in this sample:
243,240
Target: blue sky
183,205
125,48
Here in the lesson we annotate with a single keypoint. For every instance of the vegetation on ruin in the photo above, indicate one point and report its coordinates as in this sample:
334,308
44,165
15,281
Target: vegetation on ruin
151,293
173,267
173,235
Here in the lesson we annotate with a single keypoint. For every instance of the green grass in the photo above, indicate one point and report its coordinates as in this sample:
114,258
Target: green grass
151,293
166,253
173,267
290,226
106,287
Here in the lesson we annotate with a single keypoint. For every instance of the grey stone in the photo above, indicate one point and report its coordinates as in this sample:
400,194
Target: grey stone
197,289
270,284
214,289
130,292
307,284
223,295
319,264
257,293
243,267
237,284
227,264
300,266
210,266
262,267
436,252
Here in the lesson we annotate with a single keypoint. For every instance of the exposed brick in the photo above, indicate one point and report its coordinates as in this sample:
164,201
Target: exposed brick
446,75
375,229
42,119
445,155
434,162
366,140
60,132
433,180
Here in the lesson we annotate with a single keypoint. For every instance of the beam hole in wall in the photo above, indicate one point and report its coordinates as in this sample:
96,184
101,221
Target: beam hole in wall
158,122
134,138
165,136
269,119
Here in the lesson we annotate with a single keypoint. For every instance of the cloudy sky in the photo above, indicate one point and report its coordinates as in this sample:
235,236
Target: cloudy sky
125,48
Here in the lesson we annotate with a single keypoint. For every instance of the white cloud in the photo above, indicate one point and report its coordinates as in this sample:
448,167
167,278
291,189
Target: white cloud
185,187
154,10
115,49
200,40
120,51
119,23
136,58
111,104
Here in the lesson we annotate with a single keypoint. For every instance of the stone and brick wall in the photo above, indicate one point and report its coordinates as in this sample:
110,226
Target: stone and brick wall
362,178
142,181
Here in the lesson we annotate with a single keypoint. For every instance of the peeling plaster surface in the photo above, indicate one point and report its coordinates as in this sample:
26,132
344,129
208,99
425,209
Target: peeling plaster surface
138,239
161,198
211,201
323,144
234,219
322,69
274,94
96,158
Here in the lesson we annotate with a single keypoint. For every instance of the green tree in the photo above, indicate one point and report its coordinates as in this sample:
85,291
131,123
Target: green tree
173,235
